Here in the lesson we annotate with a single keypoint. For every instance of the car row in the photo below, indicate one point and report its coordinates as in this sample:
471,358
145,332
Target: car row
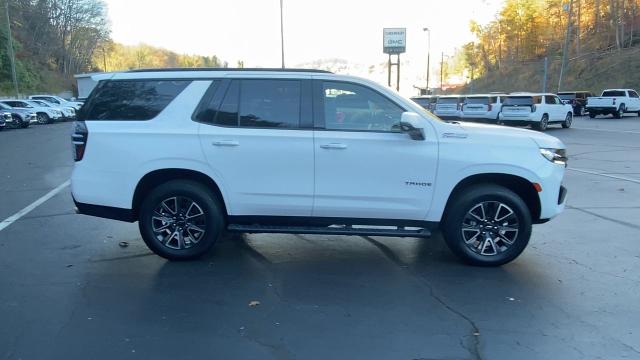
40,109
537,110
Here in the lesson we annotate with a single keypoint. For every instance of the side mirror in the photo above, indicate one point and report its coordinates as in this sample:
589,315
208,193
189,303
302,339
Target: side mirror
412,124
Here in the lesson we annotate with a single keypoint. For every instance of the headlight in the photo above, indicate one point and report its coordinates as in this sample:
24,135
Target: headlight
556,156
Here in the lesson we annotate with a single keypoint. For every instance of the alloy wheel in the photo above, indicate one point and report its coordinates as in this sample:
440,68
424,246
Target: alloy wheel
490,228
178,222
568,120
42,119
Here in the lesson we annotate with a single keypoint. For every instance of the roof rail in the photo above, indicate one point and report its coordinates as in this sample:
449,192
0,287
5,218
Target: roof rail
230,69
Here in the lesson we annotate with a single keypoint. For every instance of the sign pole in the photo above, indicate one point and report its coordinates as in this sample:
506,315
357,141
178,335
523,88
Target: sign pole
398,73
394,42
389,72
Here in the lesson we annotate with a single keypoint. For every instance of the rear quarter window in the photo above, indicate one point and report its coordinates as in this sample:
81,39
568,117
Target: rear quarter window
613,93
131,99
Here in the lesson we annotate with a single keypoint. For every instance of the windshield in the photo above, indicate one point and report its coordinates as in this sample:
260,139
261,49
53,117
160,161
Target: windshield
613,93
452,100
485,100
518,100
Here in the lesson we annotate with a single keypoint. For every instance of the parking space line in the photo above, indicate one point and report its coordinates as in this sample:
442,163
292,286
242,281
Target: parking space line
608,130
606,175
15,217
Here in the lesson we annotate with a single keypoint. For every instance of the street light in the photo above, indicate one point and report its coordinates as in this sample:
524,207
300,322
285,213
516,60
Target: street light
428,54
281,34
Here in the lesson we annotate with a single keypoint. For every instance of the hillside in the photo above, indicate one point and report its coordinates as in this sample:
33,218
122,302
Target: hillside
591,72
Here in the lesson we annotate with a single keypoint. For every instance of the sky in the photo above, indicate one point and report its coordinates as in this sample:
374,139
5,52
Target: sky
249,30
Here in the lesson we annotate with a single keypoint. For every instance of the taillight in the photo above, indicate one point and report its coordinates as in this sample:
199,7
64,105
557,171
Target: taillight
460,105
489,107
533,108
79,139
614,101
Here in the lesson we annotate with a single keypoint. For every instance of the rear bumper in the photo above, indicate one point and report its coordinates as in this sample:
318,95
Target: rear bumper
601,109
106,212
516,118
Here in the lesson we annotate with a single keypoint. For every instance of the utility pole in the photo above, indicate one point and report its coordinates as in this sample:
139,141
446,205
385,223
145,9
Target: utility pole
544,75
282,34
441,72
12,57
565,48
428,55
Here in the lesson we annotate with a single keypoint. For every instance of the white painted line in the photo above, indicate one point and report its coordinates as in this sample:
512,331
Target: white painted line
607,130
606,175
15,217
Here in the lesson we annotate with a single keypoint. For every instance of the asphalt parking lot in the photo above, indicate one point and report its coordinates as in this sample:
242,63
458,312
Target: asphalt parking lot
68,290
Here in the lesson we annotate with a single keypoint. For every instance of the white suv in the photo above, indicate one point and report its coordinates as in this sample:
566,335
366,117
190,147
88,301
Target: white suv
482,107
192,153
537,110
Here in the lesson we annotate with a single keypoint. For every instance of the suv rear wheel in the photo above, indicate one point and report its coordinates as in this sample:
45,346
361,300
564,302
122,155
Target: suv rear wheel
180,220
544,122
487,225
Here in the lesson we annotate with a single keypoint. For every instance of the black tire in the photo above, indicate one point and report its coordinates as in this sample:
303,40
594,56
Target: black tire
543,124
43,118
211,220
457,216
567,121
621,110
592,115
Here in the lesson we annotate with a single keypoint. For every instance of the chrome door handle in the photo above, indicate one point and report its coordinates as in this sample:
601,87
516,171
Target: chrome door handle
225,143
334,146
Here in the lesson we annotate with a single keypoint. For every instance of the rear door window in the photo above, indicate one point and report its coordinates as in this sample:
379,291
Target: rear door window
131,99
270,103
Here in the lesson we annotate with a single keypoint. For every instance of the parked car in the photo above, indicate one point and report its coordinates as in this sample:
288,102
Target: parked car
577,99
335,154
68,113
616,102
535,109
448,106
57,100
44,115
483,108
20,117
5,117
428,102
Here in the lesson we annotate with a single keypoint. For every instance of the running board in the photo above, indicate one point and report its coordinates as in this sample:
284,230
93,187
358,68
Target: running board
332,230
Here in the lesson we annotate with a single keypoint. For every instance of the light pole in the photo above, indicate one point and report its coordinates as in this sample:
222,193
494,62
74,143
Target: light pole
12,56
428,54
281,34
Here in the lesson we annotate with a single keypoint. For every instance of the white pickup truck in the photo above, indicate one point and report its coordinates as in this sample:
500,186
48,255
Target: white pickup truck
616,102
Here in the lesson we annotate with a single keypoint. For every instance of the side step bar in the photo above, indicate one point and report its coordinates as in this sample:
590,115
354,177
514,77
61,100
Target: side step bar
331,230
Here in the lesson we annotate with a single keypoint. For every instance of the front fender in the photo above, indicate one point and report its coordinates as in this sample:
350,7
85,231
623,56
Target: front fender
446,184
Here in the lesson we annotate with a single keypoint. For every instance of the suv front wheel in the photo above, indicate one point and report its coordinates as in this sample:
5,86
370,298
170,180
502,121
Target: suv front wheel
487,225
180,220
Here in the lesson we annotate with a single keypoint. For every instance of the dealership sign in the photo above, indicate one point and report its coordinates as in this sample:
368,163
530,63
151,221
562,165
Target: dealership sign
394,40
